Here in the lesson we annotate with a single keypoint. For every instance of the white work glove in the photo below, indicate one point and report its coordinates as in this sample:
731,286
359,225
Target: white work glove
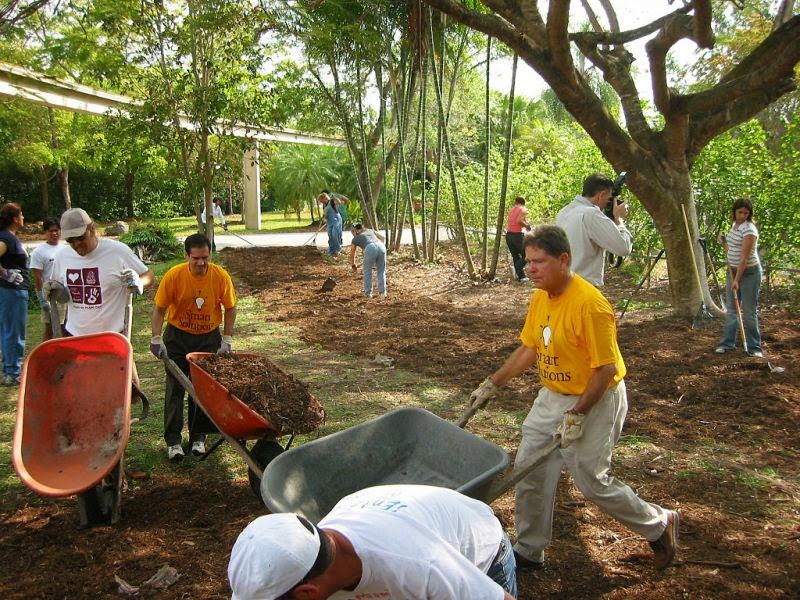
12,276
571,427
43,303
481,395
157,346
227,343
131,280
53,290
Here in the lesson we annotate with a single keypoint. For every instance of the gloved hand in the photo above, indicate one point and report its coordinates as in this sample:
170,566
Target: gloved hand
44,304
227,343
53,290
131,280
12,276
157,346
571,427
481,395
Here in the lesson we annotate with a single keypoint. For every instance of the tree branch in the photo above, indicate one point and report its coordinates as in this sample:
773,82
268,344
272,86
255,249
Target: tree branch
607,38
558,40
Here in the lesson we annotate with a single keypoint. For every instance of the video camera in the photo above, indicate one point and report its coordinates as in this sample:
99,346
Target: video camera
616,190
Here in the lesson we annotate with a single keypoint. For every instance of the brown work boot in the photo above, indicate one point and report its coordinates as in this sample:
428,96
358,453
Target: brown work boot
665,547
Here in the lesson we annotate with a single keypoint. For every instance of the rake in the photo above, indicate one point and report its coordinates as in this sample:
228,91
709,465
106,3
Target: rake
704,317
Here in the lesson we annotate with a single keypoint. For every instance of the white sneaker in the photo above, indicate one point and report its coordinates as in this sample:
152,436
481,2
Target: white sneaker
175,453
198,448
721,350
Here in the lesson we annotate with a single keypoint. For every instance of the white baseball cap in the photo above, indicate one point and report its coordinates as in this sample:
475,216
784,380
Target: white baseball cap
271,556
74,223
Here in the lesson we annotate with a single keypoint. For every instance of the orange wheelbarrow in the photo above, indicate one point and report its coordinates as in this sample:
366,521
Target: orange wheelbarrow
234,420
73,422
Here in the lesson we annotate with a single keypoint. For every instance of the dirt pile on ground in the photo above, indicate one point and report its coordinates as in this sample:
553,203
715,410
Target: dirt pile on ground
282,399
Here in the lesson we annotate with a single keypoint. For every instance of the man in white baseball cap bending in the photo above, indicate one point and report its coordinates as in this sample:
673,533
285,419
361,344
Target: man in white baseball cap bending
393,542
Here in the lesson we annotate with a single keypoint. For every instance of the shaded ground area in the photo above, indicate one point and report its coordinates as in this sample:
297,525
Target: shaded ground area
713,436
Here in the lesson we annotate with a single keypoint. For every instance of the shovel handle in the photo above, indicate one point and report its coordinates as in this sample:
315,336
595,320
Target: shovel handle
738,306
55,318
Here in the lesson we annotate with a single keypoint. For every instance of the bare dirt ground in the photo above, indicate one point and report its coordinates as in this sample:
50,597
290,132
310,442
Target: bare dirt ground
715,437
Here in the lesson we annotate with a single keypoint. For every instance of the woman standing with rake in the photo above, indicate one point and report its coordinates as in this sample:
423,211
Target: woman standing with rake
744,281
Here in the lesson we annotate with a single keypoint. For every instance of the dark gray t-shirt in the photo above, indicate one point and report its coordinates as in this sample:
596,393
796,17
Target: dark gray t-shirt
365,238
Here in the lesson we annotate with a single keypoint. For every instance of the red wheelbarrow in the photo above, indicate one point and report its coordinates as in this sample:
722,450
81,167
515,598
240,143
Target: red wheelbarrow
73,422
234,420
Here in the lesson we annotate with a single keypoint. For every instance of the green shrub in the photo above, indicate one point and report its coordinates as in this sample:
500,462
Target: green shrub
153,242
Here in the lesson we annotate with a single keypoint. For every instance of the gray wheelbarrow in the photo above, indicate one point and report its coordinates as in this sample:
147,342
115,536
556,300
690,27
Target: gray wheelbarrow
407,445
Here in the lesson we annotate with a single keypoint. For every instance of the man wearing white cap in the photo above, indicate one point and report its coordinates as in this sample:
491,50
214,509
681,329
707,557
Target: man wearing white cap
390,542
94,275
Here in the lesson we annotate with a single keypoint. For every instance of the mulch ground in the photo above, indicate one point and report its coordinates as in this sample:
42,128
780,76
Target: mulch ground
715,436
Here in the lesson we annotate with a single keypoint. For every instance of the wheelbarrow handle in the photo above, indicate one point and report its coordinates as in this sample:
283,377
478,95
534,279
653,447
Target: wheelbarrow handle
471,410
503,484
145,403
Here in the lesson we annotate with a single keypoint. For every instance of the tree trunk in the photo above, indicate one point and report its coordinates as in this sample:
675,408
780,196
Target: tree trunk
63,186
501,211
43,182
129,180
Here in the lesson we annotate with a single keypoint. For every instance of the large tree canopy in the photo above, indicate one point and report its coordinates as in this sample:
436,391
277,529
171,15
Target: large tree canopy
657,153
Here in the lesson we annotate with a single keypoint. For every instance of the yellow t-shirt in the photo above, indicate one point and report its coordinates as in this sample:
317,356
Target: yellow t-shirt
572,334
194,303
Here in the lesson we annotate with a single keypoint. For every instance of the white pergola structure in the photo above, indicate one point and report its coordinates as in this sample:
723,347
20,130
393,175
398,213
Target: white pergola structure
18,82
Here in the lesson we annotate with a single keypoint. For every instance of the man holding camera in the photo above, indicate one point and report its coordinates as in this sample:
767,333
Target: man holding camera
591,232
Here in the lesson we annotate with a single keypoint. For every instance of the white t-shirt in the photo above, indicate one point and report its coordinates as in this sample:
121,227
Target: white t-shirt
419,542
97,292
735,238
217,212
42,258
590,233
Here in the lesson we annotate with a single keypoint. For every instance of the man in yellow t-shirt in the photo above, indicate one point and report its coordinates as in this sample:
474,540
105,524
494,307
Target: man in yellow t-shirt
571,337
194,297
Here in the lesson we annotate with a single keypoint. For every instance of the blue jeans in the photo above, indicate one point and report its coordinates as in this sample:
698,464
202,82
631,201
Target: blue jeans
334,233
13,321
749,287
504,569
374,254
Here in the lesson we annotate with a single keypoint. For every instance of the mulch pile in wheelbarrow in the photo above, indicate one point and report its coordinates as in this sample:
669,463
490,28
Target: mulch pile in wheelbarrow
278,396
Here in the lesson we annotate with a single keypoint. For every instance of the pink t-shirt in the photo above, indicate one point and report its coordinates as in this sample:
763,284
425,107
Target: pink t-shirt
514,226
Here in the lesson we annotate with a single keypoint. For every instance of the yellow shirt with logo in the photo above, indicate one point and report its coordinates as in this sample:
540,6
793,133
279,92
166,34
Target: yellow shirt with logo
194,304
572,334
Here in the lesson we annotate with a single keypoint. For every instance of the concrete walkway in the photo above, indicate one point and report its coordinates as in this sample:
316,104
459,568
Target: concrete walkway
225,239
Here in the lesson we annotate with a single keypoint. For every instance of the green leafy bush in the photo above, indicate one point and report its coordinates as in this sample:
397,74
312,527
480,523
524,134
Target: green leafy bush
153,242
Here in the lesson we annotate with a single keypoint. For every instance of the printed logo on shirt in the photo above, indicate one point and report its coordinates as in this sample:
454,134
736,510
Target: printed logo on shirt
84,286
548,363
196,322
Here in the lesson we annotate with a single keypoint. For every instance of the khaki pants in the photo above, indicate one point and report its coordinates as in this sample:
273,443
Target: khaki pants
588,460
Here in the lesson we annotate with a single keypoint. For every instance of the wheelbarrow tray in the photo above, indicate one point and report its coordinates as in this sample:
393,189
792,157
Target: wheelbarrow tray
73,413
407,445
229,414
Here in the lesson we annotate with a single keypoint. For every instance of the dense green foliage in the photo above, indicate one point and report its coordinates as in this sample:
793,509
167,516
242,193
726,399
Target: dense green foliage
153,242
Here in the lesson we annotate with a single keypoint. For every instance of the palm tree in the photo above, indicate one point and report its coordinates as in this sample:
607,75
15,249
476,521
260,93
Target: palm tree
298,173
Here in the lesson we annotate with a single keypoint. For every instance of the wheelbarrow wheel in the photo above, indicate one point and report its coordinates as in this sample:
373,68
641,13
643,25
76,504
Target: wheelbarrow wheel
264,451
